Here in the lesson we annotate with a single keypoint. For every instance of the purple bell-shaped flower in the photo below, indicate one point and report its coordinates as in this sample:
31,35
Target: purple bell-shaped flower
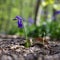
20,22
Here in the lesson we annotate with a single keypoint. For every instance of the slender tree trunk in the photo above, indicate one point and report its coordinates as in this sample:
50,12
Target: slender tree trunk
36,10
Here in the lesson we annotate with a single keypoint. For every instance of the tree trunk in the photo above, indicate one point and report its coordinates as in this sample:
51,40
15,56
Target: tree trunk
36,10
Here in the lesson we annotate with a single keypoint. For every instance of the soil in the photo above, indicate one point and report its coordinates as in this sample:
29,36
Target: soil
12,48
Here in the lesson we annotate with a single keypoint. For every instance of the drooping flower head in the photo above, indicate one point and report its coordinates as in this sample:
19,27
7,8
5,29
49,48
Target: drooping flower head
20,22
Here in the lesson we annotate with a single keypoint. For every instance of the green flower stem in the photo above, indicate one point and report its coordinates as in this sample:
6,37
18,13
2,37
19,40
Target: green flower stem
27,42
25,32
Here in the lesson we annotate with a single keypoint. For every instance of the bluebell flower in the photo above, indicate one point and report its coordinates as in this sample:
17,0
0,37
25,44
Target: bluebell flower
20,22
30,21
57,12
54,14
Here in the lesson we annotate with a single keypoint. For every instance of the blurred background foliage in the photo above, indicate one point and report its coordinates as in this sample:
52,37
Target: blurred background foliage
11,8
42,11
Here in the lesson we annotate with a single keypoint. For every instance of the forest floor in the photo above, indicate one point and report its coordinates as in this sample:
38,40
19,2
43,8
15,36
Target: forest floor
12,48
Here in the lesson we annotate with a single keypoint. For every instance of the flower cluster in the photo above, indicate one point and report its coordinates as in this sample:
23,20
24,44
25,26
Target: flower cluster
20,21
